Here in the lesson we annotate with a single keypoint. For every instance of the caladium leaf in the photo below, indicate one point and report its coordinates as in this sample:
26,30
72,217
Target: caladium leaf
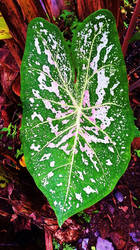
76,136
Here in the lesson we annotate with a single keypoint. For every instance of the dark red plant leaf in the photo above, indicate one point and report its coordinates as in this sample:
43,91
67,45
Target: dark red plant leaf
131,27
10,188
136,143
54,7
22,224
4,117
15,163
7,79
6,60
31,9
20,13
15,50
14,20
69,232
51,224
118,240
16,85
86,7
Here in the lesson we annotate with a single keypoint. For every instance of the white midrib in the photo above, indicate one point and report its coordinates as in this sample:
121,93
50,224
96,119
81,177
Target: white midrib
73,152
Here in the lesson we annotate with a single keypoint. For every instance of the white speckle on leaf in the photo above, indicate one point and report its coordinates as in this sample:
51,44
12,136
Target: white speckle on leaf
65,121
47,103
54,129
84,160
92,180
95,27
111,149
37,63
46,33
107,52
64,148
34,115
103,82
55,203
90,190
50,174
100,17
49,54
94,63
52,163
77,205
59,184
42,79
45,157
54,89
37,46
101,114
114,87
31,100
95,165
85,39
51,145
46,69
52,191
63,140
35,148
79,197
80,175
54,45
45,181
101,24
108,162
89,153
84,67
41,24
36,93
86,100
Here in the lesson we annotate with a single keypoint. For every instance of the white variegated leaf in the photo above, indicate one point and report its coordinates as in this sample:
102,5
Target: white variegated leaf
76,136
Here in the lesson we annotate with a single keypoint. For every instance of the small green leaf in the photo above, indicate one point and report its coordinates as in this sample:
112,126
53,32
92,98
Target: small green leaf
85,216
95,212
76,136
137,152
4,130
134,198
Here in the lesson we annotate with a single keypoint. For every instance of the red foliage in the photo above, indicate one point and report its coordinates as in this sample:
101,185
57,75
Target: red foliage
86,7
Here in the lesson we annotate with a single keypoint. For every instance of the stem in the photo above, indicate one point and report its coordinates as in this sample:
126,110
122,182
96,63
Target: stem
48,240
131,28
134,85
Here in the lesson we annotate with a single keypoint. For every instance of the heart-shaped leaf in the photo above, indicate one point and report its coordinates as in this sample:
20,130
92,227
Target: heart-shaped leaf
76,136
